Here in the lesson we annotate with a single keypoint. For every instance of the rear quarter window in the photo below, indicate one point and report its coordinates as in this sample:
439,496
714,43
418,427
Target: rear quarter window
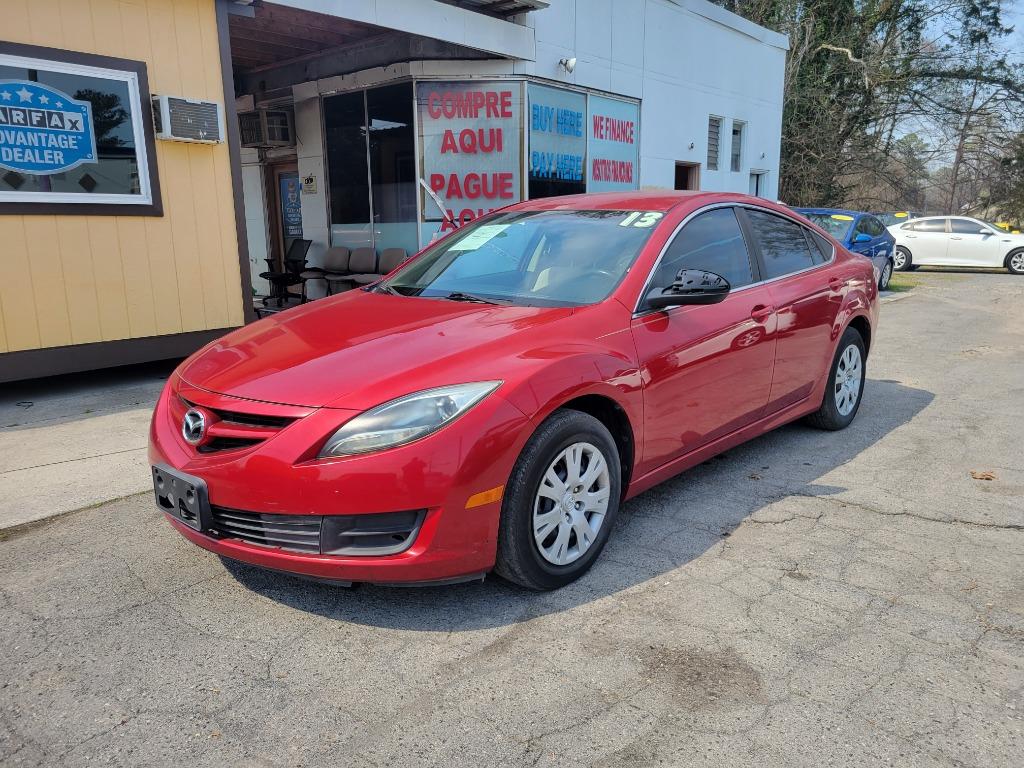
823,250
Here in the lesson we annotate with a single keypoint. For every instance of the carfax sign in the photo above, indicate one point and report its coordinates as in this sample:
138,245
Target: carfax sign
43,130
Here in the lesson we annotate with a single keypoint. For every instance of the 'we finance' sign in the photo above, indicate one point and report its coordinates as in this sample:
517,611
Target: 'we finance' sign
43,130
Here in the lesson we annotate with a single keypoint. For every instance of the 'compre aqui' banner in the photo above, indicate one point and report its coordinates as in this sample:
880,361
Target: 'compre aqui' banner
471,146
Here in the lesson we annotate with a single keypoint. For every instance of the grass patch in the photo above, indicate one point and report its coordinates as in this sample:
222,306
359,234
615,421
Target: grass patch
902,282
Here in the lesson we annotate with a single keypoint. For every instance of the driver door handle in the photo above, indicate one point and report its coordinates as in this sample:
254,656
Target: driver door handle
835,283
761,312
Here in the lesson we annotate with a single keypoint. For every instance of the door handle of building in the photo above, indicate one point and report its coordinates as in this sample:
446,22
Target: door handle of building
761,312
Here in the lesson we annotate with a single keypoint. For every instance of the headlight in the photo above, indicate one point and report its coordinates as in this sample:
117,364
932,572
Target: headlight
406,419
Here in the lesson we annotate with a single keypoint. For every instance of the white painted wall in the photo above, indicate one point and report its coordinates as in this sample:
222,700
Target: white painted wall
310,151
256,228
685,60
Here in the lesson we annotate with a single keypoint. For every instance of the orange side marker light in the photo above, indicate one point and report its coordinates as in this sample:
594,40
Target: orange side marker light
485,497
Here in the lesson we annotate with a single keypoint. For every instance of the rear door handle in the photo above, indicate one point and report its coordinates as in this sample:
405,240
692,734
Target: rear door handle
761,312
836,283
956,238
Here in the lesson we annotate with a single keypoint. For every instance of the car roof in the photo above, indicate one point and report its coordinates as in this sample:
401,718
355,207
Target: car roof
832,211
646,200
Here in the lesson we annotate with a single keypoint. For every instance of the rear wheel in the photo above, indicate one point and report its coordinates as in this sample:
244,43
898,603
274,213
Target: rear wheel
845,384
1015,262
901,260
560,502
885,277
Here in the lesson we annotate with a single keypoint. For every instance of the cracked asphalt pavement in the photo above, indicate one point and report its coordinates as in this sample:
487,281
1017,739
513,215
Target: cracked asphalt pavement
810,598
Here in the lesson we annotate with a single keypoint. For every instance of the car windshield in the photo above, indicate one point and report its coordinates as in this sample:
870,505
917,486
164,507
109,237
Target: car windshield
533,258
836,224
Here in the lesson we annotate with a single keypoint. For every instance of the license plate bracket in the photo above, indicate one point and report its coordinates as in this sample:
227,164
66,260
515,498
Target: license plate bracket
182,496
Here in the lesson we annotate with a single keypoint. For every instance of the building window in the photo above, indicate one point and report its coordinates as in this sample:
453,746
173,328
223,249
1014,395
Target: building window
471,145
74,133
613,146
737,145
558,141
714,142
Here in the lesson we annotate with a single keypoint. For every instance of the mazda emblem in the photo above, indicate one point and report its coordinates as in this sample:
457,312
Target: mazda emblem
193,426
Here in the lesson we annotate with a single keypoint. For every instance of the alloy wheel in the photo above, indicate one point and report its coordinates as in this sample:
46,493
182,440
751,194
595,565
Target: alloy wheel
571,503
1017,262
886,276
899,259
847,381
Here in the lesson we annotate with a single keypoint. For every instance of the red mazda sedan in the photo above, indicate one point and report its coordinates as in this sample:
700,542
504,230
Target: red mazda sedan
492,403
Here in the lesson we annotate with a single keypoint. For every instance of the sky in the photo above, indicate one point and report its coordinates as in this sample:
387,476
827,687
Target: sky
1014,10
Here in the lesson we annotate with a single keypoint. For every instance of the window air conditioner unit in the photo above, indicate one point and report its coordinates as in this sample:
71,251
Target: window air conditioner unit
267,128
179,119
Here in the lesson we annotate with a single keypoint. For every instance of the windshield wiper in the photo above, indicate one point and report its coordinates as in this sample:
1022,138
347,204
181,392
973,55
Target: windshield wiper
385,288
462,296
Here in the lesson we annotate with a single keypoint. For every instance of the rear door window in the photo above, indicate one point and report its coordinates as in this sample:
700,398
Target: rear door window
930,225
783,246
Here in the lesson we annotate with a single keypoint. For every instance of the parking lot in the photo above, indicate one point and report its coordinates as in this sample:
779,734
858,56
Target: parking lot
810,598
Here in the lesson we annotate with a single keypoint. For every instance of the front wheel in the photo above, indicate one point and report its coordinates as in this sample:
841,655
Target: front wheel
560,502
901,260
885,277
1015,263
845,384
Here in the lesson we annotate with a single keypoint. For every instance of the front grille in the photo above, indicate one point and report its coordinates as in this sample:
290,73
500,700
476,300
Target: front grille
300,533
253,419
387,533
234,430
227,444
248,419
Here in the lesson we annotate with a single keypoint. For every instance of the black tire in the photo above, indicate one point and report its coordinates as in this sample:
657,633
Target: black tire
886,276
519,559
902,262
829,416
1013,264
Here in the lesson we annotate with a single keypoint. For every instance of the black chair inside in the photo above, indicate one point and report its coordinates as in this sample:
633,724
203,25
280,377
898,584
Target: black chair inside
294,264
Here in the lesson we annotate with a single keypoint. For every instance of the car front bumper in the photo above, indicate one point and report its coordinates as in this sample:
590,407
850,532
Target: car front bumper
456,476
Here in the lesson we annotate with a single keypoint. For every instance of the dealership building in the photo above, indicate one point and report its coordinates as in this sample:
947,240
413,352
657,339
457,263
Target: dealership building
158,156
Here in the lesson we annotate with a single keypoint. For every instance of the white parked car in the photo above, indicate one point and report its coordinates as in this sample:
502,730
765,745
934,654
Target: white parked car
956,241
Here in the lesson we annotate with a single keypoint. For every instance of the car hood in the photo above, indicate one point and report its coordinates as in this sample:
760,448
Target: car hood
361,349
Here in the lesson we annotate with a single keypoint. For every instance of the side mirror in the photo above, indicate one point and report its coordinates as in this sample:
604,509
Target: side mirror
863,237
984,231
691,286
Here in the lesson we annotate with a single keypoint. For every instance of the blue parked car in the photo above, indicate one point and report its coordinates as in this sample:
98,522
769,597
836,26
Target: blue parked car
862,233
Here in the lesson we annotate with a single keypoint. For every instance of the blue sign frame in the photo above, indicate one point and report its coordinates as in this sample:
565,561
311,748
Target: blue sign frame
43,130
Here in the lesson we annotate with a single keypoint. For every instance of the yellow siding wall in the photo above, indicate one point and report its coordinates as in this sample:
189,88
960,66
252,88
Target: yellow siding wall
80,279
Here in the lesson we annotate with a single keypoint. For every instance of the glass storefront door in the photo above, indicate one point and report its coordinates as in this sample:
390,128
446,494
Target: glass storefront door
371,168
345,132
392,167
